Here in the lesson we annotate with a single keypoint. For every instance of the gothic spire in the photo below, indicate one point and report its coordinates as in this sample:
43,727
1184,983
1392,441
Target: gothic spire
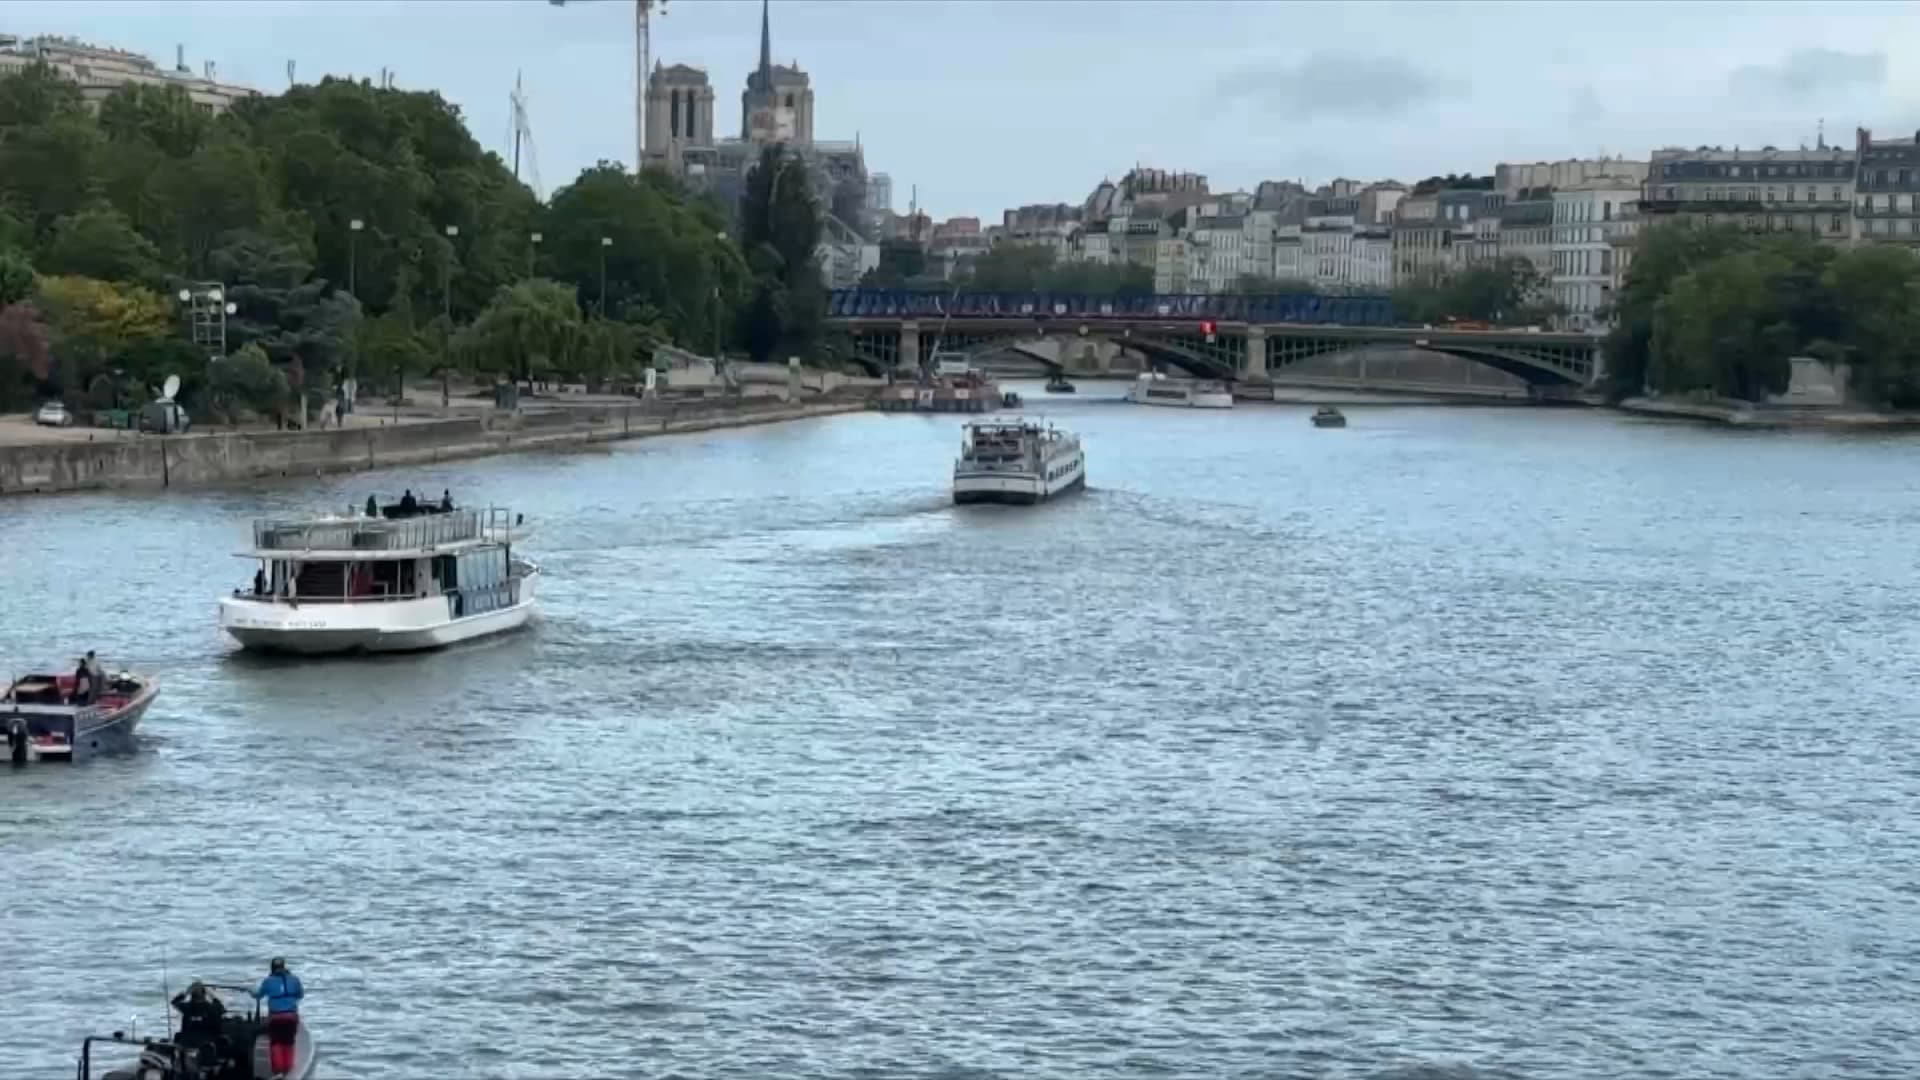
766,49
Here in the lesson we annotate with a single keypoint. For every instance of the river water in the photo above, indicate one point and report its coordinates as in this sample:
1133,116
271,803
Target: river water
1462,742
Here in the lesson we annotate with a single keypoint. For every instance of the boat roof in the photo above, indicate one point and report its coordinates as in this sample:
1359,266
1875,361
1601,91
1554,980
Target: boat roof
335,537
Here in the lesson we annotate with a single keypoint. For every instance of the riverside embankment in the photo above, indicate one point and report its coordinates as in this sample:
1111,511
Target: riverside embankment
182,460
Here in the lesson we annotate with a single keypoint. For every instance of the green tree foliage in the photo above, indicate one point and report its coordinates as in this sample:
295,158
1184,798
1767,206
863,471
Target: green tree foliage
531,328
1723,312
1031,268
93,322
1876,298
101,243
1506,291
153,192
668,253
781,227
16,278
903,264
246,382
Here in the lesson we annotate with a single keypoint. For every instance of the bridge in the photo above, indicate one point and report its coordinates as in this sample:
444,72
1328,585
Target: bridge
1241,338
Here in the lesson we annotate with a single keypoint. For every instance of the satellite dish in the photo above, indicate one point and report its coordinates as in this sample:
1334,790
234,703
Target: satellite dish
171,388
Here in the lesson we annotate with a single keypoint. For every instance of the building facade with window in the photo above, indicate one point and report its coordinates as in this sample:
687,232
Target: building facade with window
1593,220
100,71
1886,200
1765,190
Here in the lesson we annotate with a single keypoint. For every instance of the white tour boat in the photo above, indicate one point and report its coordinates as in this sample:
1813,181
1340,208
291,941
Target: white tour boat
1017,462
1154,388
410,577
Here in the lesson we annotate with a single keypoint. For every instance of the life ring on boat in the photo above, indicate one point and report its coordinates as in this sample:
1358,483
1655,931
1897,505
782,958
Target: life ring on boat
17,741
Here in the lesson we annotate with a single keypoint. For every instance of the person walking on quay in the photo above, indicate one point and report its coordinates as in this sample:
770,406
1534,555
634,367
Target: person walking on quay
282,992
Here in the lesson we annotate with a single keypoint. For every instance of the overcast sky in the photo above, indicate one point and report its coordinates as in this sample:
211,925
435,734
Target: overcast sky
988,104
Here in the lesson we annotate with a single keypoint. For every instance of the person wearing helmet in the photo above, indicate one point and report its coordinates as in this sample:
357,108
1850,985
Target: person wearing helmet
281,990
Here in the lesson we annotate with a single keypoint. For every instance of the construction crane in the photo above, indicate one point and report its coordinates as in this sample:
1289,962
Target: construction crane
523,138
642,10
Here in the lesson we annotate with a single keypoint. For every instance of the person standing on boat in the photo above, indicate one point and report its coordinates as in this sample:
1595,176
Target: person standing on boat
282,992
373,508
200,1016
83,687
95,674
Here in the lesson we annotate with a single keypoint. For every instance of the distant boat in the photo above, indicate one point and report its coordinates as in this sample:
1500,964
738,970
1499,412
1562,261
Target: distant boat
1058,384
1328,416
1153,388
43,724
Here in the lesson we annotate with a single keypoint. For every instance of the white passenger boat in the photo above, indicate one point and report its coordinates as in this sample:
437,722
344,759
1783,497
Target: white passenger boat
1155,388
1017,462
409,578
44,721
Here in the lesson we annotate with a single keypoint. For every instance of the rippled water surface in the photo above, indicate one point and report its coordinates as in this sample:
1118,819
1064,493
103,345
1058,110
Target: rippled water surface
1462,742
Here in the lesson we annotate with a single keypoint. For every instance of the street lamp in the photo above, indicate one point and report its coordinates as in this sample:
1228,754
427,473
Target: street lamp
533,246
207,311
353,256
717,306
446,312
605,243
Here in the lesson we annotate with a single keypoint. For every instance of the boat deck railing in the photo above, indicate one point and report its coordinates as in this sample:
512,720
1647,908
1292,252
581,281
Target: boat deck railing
383,534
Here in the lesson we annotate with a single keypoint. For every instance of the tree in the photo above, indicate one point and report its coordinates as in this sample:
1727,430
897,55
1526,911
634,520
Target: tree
1012,268
247,381
901,263
1876,296
532,326
1722,329
220,188
25,356
100,243
162,116
93,322
391,349
1662,255
781,229
16,278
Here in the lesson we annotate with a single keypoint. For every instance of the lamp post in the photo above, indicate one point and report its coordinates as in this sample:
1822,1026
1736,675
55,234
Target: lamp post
605,243
718,313
207,311
353,256
446,314
533,248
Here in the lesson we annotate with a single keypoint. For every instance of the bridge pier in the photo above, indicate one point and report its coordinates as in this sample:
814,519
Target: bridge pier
1256,354
909,356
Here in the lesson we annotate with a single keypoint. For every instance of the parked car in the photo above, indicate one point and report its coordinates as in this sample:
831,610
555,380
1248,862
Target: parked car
53,414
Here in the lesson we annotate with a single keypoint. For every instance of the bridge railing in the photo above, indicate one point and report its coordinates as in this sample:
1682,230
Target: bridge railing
1282,308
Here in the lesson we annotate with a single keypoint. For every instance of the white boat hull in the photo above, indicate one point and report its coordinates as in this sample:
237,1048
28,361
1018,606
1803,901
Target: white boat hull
319,628
1017,488
1200,399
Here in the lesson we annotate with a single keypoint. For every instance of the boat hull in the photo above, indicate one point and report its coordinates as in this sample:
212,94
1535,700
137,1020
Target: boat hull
80,734
1157,392
1019,489
323,629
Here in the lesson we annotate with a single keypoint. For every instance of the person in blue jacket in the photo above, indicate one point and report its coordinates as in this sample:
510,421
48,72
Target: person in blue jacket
282,992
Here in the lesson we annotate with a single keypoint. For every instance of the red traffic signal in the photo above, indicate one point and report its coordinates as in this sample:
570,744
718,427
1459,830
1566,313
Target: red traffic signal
1206,327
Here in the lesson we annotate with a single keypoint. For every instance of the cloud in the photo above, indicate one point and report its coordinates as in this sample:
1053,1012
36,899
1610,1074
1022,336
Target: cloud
1806,73
1334,83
